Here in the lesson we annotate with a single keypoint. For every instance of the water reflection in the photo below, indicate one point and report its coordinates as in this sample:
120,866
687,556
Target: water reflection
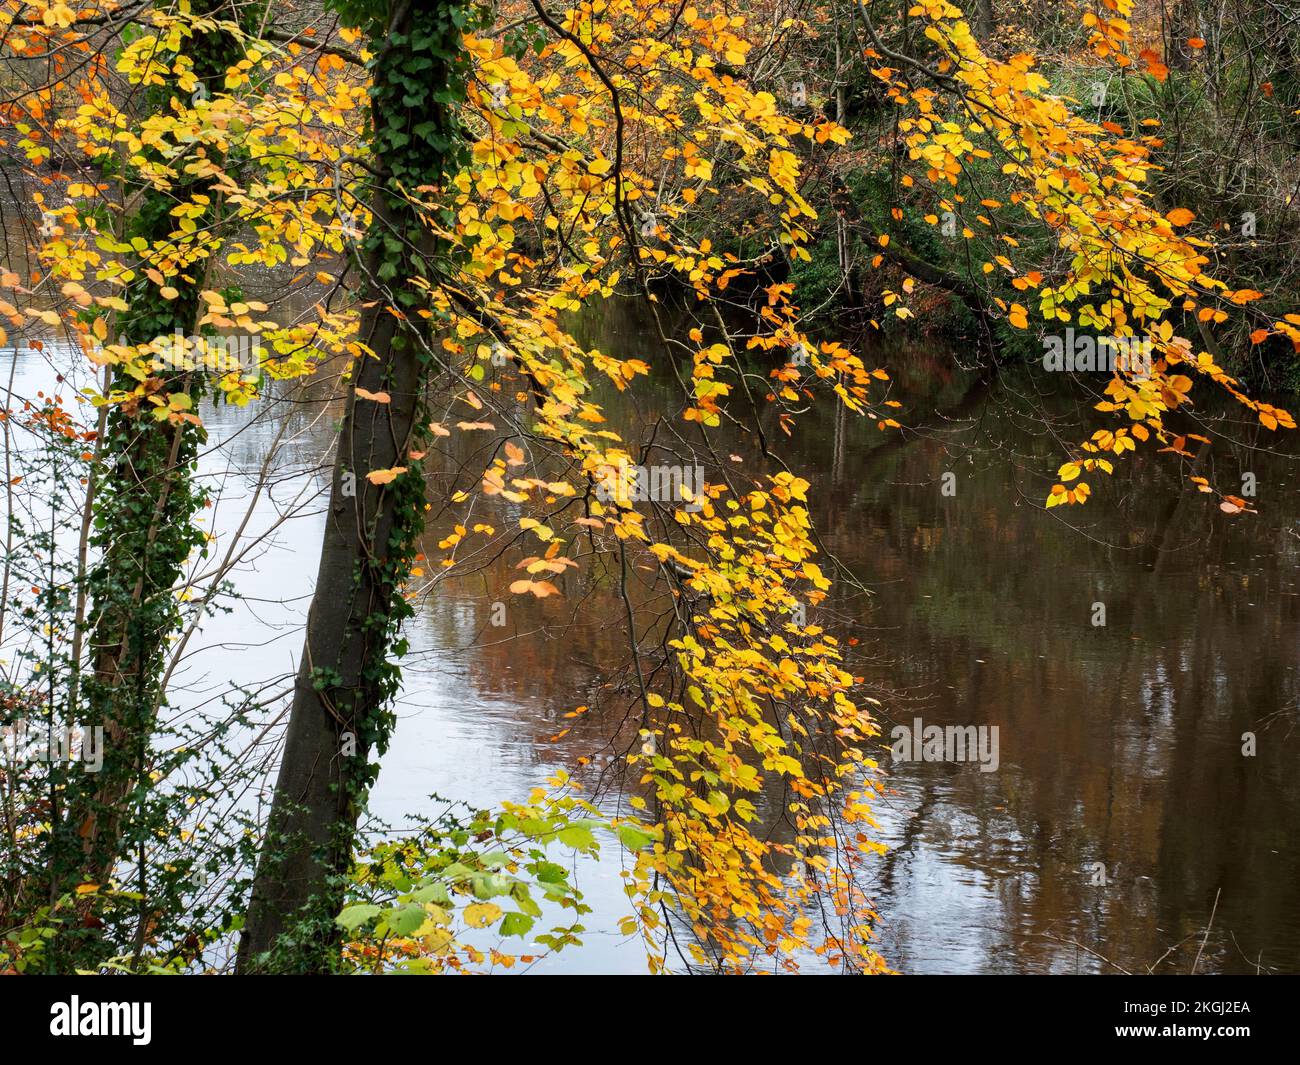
1120,744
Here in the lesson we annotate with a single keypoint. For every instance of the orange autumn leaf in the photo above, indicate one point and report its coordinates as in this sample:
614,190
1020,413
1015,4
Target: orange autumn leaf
541,589
385,476
1154,66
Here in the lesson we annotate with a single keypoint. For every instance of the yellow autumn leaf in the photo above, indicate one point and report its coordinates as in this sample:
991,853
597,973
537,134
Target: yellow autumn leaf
481,914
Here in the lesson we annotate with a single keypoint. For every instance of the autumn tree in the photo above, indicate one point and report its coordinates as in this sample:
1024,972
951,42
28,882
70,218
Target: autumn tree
559,193
146,498
509,176
345,679
566,144
136,255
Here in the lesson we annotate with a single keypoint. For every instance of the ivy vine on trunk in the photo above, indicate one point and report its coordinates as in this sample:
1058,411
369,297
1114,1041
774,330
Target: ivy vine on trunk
145,505
347,674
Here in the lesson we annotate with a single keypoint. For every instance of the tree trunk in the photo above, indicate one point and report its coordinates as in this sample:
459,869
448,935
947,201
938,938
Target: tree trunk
345,677
338,695
1181,21
144,511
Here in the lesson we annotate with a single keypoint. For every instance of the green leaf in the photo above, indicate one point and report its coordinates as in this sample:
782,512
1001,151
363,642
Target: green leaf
405,919
353,917
516,924
579,837
550,873
634,838
435,892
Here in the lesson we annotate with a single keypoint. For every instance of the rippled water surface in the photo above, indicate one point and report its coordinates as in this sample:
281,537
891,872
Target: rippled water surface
1120,745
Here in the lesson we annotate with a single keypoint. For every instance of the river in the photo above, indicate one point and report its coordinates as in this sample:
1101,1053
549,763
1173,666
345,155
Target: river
1123,817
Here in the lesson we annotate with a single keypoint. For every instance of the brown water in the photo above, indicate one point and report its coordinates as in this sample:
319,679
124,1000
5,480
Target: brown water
1119,744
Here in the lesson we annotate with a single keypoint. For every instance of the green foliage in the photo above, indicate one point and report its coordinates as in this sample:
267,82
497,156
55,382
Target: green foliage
418,82
476,887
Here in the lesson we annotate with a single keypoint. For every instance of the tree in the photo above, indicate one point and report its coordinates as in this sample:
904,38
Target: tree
507,176
146,159
1128,270
146,500
345,679
591,210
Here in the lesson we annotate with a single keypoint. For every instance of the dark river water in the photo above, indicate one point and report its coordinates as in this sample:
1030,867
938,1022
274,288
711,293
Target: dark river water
1123,818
